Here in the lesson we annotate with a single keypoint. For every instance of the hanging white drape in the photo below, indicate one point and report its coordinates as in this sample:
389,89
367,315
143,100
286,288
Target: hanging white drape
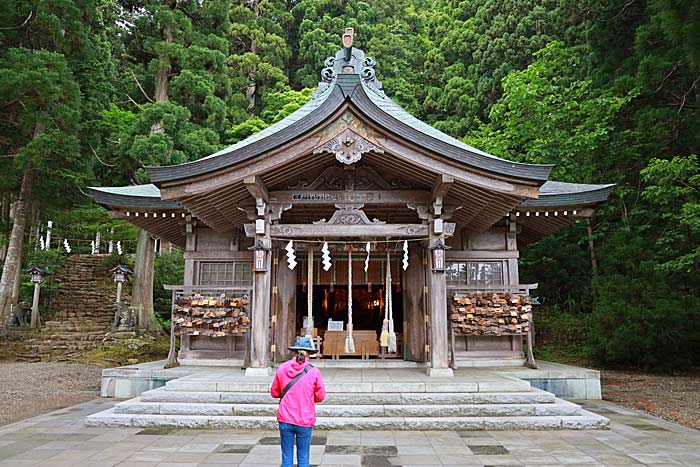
349,342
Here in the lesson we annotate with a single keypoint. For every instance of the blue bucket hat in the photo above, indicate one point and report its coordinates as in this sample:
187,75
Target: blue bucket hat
303,343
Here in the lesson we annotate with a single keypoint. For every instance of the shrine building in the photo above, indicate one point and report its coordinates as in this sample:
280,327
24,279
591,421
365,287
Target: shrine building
421,231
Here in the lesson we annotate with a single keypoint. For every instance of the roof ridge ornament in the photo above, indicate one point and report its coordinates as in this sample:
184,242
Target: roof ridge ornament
350,60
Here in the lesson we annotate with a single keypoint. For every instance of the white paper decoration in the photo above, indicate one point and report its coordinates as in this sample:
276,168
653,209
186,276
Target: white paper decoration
92,247
326,257
66,245
42,245
291,257
119,247
367,247
405,255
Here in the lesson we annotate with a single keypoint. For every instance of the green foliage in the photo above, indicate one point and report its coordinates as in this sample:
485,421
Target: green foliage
562,335
550,113
674,186
169,270
128,351
644,323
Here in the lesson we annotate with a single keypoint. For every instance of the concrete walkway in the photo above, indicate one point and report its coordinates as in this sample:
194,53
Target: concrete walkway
61,439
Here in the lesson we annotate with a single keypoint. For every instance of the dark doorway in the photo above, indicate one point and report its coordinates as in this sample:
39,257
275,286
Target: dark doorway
367,307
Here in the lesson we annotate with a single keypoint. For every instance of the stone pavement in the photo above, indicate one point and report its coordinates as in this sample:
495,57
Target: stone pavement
61,439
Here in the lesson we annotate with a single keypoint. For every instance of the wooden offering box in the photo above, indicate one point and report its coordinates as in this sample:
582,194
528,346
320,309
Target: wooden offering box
334,343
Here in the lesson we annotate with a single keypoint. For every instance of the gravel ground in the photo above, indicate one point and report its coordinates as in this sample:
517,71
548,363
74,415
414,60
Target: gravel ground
671,397
30,389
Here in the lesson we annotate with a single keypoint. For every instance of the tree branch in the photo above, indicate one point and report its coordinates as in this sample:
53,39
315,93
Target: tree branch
140,87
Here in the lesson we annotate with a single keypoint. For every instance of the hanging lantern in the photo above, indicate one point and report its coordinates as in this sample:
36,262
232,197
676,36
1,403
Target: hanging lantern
260,252
438,255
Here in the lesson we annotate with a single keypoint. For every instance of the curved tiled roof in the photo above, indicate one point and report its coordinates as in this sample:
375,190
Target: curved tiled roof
133,196
569,194
364,91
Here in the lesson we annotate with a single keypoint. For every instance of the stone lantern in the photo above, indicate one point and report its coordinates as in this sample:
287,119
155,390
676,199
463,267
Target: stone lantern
121,274
37,278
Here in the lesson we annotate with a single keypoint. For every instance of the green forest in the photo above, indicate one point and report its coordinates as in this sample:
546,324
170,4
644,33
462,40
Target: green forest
93,91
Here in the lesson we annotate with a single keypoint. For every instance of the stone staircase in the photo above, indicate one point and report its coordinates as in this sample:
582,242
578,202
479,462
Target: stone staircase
472,401
83,311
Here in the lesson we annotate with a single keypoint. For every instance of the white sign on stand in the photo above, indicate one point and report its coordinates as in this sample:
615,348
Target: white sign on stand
335,325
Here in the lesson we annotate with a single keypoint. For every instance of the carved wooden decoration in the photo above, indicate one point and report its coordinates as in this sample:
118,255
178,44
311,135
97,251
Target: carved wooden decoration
348,147
361,177
349,214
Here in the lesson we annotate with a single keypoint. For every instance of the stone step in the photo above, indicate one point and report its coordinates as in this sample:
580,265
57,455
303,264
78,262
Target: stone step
513,385
534,396
559,407
586,420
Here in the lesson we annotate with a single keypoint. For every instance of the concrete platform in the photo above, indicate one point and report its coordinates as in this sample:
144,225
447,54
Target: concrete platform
564,381
359,399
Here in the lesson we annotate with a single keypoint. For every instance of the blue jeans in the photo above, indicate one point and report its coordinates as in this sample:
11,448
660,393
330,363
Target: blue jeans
303,435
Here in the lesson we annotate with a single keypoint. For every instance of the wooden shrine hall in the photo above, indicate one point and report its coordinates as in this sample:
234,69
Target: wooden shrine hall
352,221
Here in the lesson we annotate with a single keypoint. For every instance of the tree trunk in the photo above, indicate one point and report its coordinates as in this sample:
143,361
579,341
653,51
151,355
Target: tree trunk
6,202
142,295
163,80
252,87
13,260
591,249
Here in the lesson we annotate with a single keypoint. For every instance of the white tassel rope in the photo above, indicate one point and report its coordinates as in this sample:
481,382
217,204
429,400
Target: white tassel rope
310,295
349,342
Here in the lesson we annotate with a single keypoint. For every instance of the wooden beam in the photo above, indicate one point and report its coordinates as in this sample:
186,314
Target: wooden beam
331,197
353,230
442,185
257,188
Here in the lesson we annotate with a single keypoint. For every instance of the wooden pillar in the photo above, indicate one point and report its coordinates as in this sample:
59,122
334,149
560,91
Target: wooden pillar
188,277
413,286
439,362
260,313
286,307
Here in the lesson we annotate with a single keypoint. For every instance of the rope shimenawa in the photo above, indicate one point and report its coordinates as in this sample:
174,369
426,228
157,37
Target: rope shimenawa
341,242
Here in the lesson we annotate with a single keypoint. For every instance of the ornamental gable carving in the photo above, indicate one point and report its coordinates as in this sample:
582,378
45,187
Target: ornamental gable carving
348,147
349,214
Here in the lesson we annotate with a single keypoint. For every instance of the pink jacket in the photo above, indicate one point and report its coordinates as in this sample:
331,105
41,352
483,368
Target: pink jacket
298,407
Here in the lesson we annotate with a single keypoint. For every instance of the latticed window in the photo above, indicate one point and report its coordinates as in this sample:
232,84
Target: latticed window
475,273
226,274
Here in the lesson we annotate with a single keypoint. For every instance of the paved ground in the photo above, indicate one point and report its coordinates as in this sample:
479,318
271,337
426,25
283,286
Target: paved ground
61,439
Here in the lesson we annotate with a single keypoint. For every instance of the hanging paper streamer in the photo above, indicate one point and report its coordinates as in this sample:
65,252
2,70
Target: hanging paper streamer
66,245
42,245
291,257
119,247
326,256
367,248
405,255
92,247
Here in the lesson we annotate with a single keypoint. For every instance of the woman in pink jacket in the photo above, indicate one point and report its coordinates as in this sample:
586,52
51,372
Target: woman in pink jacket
299,385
